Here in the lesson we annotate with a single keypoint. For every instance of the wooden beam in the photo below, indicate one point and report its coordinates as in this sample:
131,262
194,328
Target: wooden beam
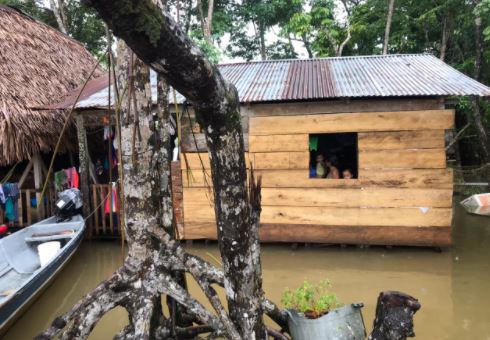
374,235
278,143
281,160
403,159
25,174
353,122
339,197
399,178
372,216
420,139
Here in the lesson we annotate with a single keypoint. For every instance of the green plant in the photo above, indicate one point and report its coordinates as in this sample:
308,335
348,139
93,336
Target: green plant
312,300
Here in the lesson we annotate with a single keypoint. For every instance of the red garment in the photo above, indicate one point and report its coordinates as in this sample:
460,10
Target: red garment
107,208
75,179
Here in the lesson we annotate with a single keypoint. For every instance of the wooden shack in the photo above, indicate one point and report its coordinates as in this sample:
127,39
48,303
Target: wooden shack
393,113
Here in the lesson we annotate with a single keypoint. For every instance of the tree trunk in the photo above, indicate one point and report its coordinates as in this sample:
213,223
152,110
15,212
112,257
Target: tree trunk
445,37
477,108
159,42
206,21
394,316
307,44
389,18
59,14
83,157
263,54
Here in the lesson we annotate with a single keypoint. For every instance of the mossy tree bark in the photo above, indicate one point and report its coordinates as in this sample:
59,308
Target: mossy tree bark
158,41
154,257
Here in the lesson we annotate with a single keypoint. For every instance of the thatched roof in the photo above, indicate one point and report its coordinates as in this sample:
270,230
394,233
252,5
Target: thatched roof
38,65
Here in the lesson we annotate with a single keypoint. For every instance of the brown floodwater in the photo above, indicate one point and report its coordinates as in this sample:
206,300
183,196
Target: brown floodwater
453,286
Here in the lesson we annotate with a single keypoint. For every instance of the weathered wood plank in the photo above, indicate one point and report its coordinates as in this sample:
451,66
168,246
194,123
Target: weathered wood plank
198,160
401,178
333,197
407,217
281,160
375,235
407,178
353,122
278,143
421,139
343,105
364,197
405,159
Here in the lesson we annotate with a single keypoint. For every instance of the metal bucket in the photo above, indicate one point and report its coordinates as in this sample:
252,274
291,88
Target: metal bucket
344,323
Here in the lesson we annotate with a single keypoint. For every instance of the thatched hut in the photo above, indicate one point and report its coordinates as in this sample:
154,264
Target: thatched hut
38,64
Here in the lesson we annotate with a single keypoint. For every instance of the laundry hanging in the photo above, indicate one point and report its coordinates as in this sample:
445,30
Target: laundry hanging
107,208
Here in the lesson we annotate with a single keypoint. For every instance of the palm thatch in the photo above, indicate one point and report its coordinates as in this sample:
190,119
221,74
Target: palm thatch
38,65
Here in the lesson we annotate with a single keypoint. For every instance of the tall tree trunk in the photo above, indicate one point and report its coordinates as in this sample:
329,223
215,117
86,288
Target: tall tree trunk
159,42
263,53
307,44
59,14
477,107
445,37
389,19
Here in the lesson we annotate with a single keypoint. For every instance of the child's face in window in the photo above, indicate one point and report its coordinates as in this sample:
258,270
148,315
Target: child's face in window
319,158
346,174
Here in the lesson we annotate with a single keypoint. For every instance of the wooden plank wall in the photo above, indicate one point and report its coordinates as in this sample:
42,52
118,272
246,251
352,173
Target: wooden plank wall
403,194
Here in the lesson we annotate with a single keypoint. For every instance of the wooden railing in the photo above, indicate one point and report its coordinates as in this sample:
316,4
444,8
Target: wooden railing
29,211
102,223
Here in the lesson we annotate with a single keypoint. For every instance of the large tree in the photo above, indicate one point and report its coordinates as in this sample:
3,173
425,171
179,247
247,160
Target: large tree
153,256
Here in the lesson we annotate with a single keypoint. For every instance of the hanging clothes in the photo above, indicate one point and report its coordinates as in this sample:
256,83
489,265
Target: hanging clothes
2,195
75,179
68,177
11,192
60,180
107,209
108,133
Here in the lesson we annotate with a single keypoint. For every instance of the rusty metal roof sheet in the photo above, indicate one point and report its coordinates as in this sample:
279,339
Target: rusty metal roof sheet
408,75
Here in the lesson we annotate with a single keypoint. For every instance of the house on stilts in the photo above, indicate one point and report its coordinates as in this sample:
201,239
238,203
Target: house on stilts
38,65
382,118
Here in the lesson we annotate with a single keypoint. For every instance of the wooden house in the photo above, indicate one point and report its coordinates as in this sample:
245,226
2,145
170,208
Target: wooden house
383,117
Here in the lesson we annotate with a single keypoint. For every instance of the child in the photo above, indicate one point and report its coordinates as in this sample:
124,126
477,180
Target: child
333,172
320,166
347,174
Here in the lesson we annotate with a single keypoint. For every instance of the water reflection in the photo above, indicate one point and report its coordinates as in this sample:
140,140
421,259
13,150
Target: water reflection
452,286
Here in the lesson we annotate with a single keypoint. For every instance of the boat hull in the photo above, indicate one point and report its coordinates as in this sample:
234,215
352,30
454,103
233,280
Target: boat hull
15,306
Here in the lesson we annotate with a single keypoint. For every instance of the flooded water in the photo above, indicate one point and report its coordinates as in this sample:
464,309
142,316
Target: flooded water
453,286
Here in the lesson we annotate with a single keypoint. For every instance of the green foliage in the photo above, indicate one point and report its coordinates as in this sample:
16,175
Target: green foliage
85,26
316,300
210,51
34,8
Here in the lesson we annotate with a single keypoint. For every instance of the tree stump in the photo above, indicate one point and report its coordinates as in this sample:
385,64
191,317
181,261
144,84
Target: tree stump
394,316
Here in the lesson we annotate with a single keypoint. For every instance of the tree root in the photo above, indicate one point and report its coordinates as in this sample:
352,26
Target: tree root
138,286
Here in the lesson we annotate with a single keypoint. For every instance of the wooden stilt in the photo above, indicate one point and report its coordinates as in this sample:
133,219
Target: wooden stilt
38,182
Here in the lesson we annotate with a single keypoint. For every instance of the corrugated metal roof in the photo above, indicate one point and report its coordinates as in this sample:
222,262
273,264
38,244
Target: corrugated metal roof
409,75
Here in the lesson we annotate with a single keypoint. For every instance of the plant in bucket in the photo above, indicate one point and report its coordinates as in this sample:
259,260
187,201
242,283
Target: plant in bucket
316,313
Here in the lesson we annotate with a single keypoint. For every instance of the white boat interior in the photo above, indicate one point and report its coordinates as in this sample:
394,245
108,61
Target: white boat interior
19,256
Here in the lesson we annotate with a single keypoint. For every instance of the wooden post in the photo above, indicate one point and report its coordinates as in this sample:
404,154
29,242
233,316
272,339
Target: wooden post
84,165
394,316
25,173
38,183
